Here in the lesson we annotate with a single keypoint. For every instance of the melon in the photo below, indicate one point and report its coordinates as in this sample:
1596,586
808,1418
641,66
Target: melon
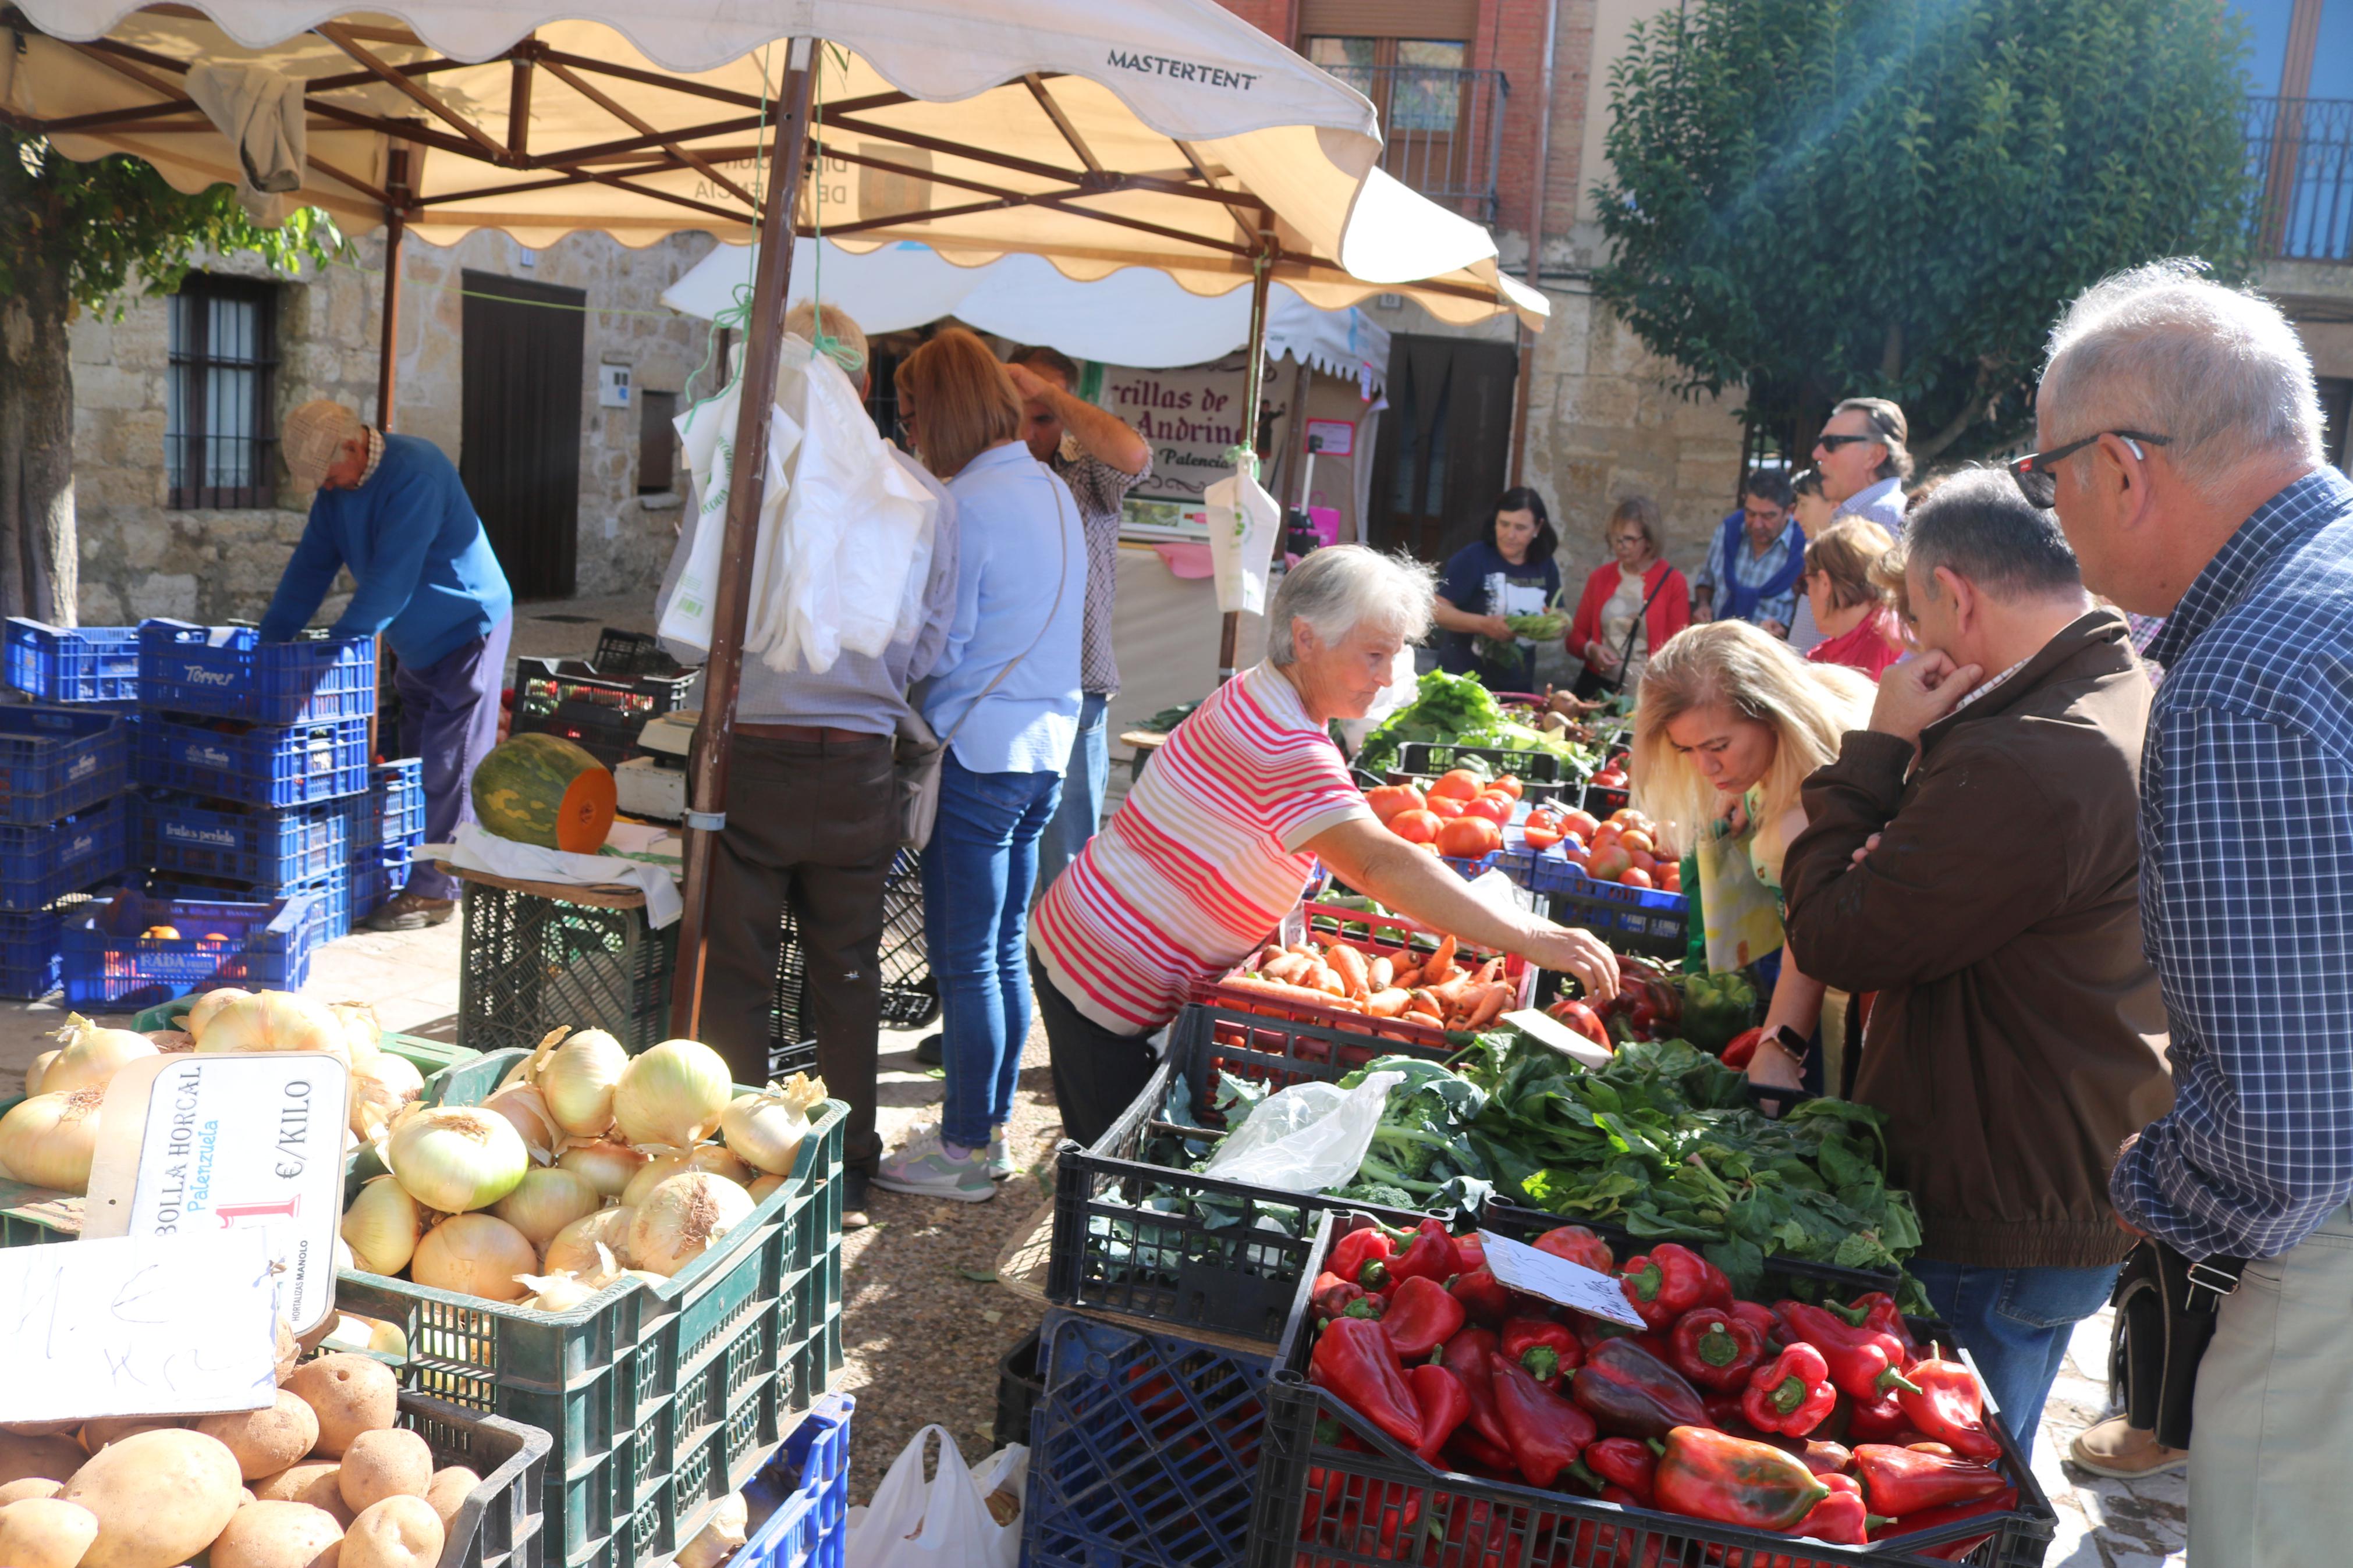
544,790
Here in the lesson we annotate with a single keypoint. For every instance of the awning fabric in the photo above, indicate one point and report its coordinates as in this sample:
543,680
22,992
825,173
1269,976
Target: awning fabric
1103,135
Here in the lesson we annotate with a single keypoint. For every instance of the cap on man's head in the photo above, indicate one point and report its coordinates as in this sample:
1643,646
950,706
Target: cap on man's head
312,437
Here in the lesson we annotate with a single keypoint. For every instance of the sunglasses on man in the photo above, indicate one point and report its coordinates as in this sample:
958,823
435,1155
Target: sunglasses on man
2037,473
1830,443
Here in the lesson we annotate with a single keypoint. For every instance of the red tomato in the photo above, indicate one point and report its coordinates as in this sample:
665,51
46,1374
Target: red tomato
1641,862
1495,809
1429,850
1635,877
1467,838
1573,852
1509,784
1461,783
1387,800
1637,841
1671,876
1541,832
1446,805
1609,864
1610,778
1416,826
1629,816
1580,822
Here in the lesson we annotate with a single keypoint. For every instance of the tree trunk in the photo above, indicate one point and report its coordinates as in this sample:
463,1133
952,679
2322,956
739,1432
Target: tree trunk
39,556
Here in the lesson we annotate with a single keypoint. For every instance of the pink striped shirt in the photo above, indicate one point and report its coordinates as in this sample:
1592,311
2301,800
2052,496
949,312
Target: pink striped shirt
1201,861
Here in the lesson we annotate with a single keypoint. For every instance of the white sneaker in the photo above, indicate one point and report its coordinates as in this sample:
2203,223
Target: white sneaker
1000,1158
924,1167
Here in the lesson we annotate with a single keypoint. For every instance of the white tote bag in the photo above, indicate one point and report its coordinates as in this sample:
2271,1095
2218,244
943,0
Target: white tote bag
941,1523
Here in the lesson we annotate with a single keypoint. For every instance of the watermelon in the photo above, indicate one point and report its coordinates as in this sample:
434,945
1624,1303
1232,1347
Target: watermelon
544,790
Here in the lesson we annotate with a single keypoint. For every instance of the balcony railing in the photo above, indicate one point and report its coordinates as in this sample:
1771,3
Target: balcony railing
1442,131
2300,154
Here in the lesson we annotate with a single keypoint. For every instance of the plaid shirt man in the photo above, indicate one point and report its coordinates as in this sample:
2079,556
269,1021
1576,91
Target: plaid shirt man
1099,488
2247,887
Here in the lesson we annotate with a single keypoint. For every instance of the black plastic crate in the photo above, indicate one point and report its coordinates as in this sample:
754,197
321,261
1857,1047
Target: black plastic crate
528,964
602,708
1146,1450
1020,1386
501,1523
910,998
1541,775
784,1060
633,653
1372,1489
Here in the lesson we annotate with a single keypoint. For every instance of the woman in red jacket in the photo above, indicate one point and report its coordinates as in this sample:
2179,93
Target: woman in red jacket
1631,604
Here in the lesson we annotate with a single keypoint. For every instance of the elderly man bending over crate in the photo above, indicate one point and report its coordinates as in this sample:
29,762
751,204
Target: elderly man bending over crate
392,510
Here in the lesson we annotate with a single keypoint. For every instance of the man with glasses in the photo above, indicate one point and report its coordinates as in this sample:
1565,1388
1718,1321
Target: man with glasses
1863,461
2181,435
1755,561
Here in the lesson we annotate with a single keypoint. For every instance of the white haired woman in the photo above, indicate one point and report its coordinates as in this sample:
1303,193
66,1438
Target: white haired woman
1221,835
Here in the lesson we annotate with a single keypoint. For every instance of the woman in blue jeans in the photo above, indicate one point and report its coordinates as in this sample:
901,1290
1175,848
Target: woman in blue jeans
1005,698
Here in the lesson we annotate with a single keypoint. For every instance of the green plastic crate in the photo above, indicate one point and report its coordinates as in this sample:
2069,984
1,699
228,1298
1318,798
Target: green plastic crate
660,1400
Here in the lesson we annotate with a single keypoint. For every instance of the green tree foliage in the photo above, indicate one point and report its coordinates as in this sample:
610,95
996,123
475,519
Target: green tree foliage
1815,199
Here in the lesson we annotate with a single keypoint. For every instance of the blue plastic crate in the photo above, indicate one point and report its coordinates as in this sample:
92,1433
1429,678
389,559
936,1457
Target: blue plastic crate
1144,1449
805,1492
393,810
269,765
230,672
330,888
28,954
109,962
40,865
376,875
1643,921
179,833
73,663
54,761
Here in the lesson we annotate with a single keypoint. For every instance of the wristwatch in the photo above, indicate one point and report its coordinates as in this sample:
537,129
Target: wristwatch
1799,1047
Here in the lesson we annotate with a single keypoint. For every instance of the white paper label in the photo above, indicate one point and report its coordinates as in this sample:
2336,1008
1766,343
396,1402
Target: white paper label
226,1142
138,1326
1522,1268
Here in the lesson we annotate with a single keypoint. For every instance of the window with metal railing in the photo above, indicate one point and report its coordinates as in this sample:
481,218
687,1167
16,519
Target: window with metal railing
220,431
1441,123
2300,154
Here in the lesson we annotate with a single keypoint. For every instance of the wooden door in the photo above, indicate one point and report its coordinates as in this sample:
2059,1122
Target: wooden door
1445,443
518,430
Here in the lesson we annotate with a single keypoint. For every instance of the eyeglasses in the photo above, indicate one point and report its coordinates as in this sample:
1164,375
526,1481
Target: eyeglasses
1830,443
2037,473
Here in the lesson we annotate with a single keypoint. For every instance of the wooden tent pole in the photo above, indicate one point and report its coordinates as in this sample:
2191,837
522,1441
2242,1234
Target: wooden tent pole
1253,394
707,777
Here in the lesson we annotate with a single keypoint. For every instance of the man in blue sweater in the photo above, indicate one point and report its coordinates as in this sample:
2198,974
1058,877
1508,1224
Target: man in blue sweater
392,508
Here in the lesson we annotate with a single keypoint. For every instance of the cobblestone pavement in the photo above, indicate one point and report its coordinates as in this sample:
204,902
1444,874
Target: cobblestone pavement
2103,1524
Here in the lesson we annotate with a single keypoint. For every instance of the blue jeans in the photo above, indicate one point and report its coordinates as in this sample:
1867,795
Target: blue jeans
1081,814
2014,1322
977,870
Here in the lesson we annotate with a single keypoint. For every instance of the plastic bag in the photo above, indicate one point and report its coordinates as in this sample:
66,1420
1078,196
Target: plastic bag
1305,1139
1243,523
707,431
944,1522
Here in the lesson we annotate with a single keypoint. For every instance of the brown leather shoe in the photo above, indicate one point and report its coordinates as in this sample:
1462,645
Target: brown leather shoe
2124,1452
410,911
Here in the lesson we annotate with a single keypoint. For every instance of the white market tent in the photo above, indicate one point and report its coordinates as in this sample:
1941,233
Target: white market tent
1099,134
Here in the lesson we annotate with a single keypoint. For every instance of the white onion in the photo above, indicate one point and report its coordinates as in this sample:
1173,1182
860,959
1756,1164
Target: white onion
48,1140
454,1158
380,1087
275,1021
362,1031
764,1187
573,1250
764,1129
200,1012
669,1163
546,1202
608,1166
34,1074
578,1077
672,1094
474,1255
561,1292
173,1042
382,1227
92,1056
682,1218
521,1104
723,1535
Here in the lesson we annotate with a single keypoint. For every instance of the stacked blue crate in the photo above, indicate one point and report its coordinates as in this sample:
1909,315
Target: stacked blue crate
63,771
381,832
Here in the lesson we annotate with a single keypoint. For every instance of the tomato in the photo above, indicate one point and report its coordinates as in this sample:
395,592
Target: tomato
1581,1018
1541,832
1495,809
1416,826
1610,778
1574,853
1635,877
1609,865
1581,823
1641,862
1509,784
1429,850
1461,784
1606,836
1670,877
1637,841
1446,805
1467,837
1387,800
1629,816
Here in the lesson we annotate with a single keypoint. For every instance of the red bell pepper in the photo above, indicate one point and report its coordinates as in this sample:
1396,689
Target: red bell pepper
1739,1050
1470,1250
1949,1407
1842,1519
1714,1348
1546,1431
1864,1363
1578,1244
1580,1017
1880,1420
1363,1257
1430,1254
1444,1404
1484,1297
1791,1393
1669,1280
1903,1482
1837,1480
1825,1458
1880,1312
1929,1518
1470,1450
1422,1317
1708,1474
1465,1355
1723,1407
1633,1393
1356,1361
1334,1297
1760,1317
1544,1348
1624,1463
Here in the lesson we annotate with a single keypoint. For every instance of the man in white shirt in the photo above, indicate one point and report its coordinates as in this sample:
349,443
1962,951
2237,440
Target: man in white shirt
1863,461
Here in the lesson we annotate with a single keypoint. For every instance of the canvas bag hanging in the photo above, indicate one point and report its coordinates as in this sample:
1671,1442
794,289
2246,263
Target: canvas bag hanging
940,1523
1243,523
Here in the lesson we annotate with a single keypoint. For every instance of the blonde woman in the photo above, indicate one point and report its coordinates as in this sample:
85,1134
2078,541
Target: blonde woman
1728,725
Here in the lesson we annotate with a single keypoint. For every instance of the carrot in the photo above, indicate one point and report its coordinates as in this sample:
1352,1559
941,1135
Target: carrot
1305,950
1441,962
1407,976
1298,995
1422,1001
1350,965
1270,956
1387,1004
1491,970
1326,980
1456,993
1379,973
1490,1005
1288,968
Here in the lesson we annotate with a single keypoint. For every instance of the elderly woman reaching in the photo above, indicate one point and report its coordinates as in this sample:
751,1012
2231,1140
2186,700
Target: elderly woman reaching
1221,837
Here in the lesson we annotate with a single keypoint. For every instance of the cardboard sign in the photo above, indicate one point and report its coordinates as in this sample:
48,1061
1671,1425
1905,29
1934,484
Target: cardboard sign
1558,1280
1332,437
199,1144
138,1326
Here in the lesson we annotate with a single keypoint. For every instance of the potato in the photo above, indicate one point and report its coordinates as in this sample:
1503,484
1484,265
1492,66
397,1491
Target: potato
449,1490
287,1484
350,1394
51,1459
43,1533
266,1441
276,1535
97,1434
31,1485
160,1497
399,1532
289,1351
41,1429
379,1465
